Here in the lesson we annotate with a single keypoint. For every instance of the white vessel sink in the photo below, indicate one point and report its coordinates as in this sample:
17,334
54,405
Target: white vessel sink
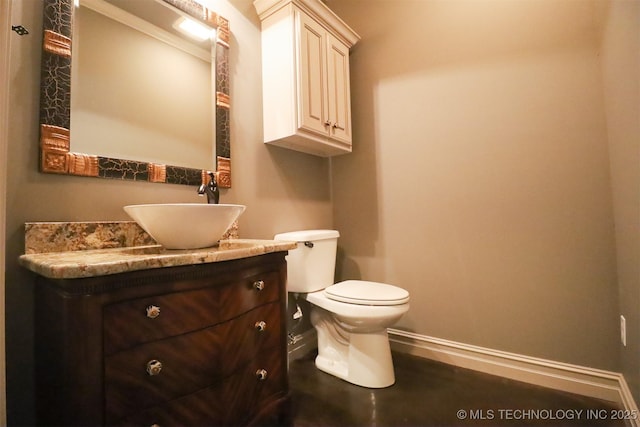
185,225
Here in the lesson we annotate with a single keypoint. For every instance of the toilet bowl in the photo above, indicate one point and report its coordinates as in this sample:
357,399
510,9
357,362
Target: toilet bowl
351,317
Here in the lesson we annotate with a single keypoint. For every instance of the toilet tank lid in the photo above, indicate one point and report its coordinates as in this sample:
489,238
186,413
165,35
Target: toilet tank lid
307,235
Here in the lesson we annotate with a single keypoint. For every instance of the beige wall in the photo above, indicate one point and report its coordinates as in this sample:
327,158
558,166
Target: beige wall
621,66
283,190
479,179
5,22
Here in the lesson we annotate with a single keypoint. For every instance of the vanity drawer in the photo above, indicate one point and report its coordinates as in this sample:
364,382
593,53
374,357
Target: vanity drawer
188,362
129,323
236,400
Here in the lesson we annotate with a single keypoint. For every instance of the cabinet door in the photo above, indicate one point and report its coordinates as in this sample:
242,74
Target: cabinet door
312,106
338,89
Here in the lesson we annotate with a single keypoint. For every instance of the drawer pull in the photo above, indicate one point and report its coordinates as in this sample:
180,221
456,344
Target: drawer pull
261,325
154,367
153,311
261,374
258,285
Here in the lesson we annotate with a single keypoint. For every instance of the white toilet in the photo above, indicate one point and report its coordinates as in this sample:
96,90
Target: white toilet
350,317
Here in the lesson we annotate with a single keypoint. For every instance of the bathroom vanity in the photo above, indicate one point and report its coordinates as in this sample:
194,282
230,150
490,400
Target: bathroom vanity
146,336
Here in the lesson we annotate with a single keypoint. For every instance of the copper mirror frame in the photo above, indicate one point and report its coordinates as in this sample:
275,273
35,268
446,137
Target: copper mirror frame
55,106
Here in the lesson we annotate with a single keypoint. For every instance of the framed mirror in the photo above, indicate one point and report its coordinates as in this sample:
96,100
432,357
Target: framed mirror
57,151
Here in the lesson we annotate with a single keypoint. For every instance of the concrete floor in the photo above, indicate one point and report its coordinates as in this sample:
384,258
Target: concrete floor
428,393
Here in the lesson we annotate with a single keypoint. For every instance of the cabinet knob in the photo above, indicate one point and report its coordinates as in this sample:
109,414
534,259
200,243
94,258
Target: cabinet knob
261,374
261,325
153,311
327,123
154,367
258,285
335,125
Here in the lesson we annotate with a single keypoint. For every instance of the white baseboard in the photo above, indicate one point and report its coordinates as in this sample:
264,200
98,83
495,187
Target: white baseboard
606,385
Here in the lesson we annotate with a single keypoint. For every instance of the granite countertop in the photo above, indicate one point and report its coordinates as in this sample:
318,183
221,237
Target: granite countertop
101,262
73,250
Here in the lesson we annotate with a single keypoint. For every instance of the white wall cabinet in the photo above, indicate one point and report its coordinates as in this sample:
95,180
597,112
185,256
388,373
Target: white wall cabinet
305,68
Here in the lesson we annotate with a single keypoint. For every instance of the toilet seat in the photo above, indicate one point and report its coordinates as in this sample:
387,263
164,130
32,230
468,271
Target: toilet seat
367,293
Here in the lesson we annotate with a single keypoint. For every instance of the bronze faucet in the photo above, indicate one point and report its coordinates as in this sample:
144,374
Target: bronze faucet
211,190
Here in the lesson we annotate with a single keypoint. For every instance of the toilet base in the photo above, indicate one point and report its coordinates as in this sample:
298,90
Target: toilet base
363,358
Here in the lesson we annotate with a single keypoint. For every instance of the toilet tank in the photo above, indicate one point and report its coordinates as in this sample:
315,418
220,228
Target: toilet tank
311,266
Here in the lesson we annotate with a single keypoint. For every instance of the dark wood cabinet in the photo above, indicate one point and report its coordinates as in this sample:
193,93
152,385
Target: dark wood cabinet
192,345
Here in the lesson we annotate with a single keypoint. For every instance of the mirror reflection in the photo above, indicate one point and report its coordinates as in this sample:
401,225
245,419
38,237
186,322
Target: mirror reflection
140,88
115,134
